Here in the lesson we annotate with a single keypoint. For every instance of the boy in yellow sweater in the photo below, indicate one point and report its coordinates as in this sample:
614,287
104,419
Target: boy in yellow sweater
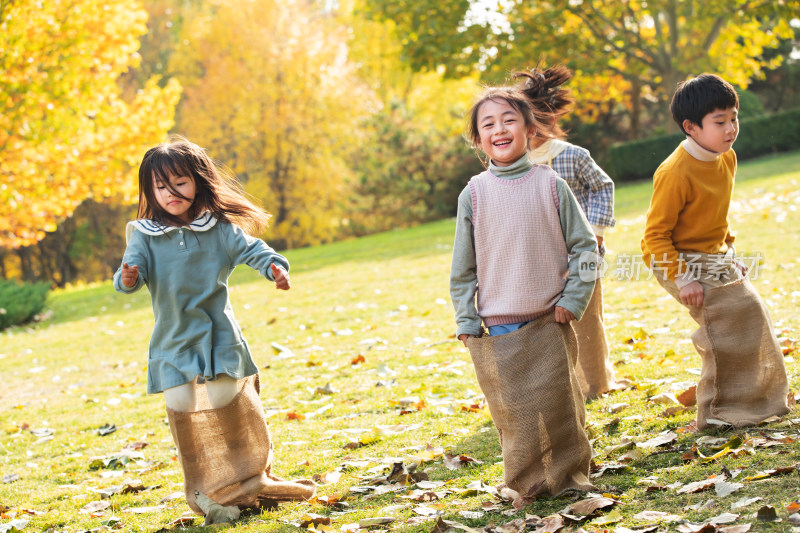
688,244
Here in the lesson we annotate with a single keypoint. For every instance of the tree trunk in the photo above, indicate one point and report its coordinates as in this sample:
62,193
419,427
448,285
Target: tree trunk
636,109
26,264
671,80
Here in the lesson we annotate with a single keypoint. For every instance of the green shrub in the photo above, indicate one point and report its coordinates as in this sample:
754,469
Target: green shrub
20,302
638,160
749,105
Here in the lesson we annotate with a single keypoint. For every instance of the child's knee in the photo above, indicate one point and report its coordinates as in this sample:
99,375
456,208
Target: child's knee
221,391
181,398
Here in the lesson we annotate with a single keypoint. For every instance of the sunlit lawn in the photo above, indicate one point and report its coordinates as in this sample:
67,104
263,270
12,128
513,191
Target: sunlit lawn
371,320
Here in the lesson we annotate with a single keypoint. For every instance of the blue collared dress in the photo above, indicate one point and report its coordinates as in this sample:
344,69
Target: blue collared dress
186,270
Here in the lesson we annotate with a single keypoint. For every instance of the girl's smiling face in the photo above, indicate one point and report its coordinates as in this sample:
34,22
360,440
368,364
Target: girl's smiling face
504,135
170,202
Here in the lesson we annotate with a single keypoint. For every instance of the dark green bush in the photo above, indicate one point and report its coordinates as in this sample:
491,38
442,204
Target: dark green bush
638,160
749,105
20,302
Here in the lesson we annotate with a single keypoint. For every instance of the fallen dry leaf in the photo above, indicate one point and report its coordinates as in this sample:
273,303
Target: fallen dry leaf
184,521
656,516
724,518
674,411
611,518
764,474
665,398
315,520
454,462
448,526
610,467
424,510
18,524
744,502
724,488
97,505
590,505
701,485
551,524
375,521
691,527
145,510
767,514
688,397
662,439
739,528
172,496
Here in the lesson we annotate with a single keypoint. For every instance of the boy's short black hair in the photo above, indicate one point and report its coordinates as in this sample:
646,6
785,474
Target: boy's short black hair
697,97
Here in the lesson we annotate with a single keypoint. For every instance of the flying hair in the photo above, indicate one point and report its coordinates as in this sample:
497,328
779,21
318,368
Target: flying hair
217,189
544,88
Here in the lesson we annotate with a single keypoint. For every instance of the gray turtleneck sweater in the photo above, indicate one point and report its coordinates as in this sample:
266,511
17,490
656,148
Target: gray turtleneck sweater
577,233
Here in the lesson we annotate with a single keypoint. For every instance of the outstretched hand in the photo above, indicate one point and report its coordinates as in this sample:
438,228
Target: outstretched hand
130,274
281,277
564,316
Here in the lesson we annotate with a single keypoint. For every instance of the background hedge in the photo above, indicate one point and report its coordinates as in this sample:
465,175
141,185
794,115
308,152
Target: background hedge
20,302
638,160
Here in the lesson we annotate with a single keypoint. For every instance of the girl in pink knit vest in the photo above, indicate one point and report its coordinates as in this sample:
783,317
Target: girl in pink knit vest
521,242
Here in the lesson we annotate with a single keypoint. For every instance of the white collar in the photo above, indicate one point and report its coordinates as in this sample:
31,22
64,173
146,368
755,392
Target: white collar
697,151
549,150
204,222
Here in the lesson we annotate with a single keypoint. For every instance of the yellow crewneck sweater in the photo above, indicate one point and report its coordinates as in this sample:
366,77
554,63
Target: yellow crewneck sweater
689,209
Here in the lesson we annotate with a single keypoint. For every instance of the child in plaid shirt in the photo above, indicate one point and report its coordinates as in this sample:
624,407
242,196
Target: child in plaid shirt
594,191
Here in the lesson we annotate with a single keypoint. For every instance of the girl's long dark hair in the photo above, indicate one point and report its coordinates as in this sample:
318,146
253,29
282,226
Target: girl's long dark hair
217,189
543,87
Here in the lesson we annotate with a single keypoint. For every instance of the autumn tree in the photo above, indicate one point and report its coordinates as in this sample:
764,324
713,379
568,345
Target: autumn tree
269,90
65,133
418,160
625,52
649,47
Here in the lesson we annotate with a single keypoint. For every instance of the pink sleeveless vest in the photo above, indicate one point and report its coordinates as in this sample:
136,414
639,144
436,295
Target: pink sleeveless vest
520,252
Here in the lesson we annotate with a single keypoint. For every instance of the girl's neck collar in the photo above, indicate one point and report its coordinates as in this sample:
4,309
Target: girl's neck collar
518,167
204,222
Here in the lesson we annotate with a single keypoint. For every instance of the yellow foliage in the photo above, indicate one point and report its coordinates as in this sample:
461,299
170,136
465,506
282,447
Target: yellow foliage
270,91
643,49
65,135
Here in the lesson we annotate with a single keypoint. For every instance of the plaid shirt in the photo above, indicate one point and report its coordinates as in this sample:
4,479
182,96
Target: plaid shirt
592,187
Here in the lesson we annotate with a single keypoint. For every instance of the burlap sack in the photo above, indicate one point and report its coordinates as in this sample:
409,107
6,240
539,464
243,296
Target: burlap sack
743,377
529,381
226,453
594,370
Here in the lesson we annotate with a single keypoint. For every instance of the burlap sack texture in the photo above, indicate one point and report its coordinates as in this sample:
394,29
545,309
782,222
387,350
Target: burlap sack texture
594,370
226,453
743,377
529,381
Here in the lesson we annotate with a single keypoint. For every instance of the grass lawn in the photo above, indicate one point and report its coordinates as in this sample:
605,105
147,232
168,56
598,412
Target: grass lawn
373,367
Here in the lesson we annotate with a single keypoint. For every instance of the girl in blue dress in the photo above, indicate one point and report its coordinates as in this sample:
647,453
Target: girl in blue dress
193,228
